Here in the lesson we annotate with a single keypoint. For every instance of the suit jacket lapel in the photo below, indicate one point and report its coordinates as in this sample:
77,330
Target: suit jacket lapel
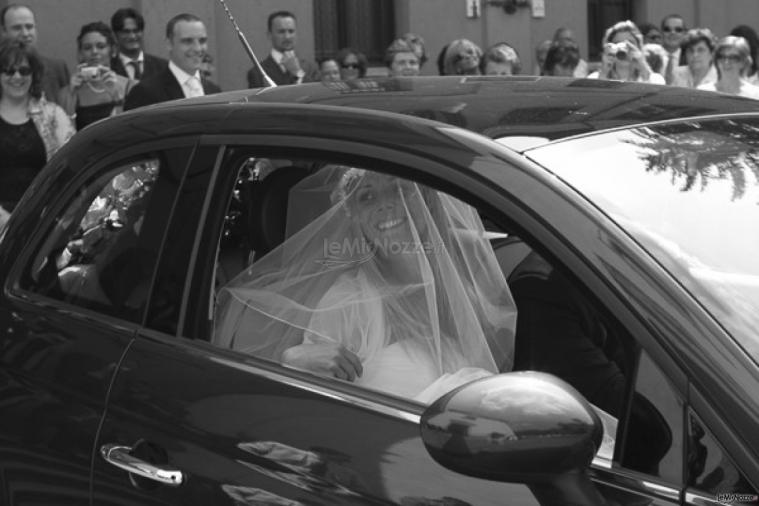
118,66
275,71
153,65
172,88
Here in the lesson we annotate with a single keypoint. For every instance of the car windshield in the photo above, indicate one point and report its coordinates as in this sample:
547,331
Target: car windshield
687,192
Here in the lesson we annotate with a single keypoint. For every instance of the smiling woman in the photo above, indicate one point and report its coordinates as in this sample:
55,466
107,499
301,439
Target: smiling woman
733,57
395,288
31,129
95,91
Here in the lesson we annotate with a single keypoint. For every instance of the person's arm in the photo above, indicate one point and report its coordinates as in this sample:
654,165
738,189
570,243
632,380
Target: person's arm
63,127
337,324
325,359
559,332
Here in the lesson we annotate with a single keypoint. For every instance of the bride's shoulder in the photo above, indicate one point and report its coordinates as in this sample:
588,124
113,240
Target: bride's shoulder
351,286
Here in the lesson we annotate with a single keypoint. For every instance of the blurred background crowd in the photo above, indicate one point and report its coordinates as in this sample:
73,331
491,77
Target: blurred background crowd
44,100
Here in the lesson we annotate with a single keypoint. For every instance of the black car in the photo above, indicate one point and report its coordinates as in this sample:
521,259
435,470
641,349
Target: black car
623,217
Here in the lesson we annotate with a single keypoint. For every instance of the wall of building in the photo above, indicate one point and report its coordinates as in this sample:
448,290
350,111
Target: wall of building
720,16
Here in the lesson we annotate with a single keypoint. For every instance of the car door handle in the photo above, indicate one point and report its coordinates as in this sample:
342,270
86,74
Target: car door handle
120,457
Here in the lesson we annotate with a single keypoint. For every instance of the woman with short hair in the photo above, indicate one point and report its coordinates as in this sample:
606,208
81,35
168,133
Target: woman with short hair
401,60
501,60
698,47
733,57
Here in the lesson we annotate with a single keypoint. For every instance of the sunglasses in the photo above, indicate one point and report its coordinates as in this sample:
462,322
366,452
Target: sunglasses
23,70
735,58
676,29
349,65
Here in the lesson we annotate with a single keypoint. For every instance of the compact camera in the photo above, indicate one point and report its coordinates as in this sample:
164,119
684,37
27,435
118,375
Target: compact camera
619,50
89,73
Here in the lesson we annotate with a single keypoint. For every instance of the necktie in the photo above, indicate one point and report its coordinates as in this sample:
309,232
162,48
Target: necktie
194,88
668,73
136,70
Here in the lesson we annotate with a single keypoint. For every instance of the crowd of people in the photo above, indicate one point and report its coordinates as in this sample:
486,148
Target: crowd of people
42,104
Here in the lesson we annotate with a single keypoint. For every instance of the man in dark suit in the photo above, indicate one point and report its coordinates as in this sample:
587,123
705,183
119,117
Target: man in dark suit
188,43
19,23
131,61
282,65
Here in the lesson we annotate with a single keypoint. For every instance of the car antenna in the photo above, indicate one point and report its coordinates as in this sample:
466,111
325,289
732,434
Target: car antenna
268,80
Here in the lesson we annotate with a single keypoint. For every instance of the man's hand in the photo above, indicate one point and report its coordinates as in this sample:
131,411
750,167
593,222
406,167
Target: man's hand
291,63
326,359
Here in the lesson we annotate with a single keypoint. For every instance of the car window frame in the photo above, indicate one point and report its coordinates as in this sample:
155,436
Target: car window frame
92,170
505,208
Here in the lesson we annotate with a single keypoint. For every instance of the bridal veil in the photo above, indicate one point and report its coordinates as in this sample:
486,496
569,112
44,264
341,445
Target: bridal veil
402,275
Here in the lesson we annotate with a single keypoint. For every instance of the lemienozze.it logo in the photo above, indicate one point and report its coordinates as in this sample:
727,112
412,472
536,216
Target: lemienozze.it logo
734,498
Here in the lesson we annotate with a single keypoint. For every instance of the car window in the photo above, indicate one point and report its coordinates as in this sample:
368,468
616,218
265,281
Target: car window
355,275
276,218
700,179
711,470
654,438
100,251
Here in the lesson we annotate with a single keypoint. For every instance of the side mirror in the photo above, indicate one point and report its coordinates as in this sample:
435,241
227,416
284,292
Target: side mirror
525,427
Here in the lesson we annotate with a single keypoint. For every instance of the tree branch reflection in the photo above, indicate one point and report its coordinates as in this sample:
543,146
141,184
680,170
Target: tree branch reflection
698,153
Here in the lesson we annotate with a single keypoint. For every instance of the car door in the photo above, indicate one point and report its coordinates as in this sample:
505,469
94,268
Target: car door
69,313
242,430
216,425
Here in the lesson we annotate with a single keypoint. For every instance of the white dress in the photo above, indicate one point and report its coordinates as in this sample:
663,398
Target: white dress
351,313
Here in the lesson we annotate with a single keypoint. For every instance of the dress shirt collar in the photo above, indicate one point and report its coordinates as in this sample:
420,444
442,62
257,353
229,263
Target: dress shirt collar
277,56
125,59
182,77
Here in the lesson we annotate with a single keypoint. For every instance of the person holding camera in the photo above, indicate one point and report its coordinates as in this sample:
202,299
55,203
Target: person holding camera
623,58
95,91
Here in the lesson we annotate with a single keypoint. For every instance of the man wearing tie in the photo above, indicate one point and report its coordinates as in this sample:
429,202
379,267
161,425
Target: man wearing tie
131,61
187,43
282,65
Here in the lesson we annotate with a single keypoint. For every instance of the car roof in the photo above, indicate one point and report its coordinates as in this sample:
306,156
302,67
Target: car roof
546,107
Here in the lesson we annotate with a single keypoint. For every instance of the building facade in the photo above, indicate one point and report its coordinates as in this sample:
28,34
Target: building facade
326,25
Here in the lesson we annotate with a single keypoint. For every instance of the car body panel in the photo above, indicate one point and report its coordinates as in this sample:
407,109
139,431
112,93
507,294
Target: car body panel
543,107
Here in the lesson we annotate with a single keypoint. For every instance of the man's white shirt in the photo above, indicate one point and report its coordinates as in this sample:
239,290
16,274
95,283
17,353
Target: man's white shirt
127,63
191,85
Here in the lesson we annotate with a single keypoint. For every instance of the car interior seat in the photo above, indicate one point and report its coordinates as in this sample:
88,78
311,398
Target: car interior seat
268,218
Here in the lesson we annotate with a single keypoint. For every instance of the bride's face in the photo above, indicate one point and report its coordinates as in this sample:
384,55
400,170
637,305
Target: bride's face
385,207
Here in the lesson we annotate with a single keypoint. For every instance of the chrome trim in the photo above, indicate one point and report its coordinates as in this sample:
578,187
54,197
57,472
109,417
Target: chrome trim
699,500
309,386
630,482
601,462
120,457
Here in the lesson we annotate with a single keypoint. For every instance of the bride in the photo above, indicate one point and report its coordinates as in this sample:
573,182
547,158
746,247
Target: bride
392,286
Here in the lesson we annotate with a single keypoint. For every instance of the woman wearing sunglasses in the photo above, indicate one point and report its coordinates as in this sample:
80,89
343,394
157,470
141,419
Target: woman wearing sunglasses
353,64
733,57
31,129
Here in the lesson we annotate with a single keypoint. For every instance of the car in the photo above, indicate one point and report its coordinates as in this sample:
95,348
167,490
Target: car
622,216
